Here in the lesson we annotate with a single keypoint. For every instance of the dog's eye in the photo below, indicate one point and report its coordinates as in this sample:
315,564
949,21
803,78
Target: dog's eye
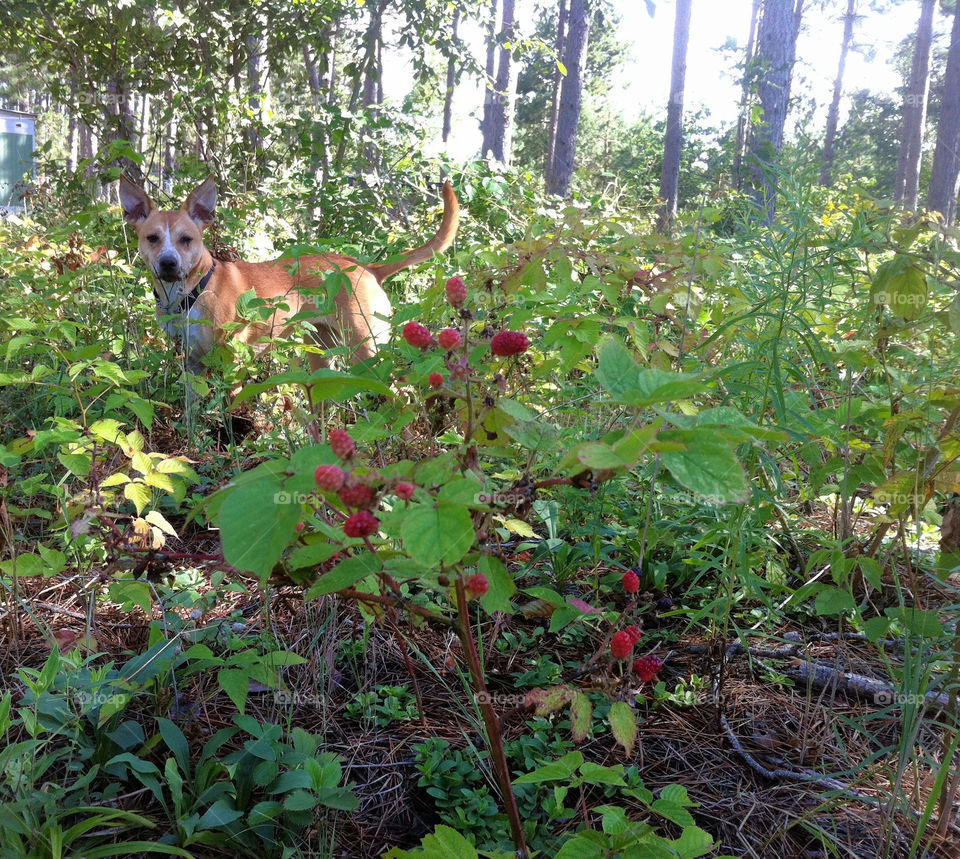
185,240
153,239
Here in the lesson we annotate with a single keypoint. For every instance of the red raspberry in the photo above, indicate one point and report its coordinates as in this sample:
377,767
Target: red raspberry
631,582
622,645
361,524
634,633
329,477
417,335
343,446
358,496
508,343
477,585
404,491
301,526
456,291
436,380
647,667
449,339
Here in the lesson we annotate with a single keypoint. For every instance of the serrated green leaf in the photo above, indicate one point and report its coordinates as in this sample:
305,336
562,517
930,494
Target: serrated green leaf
434,534
623,725
139,494
345,574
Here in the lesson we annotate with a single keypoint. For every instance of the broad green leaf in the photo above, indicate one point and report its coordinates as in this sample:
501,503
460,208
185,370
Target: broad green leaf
832,600
139,493
708,467
623,725
502,586
901,286
581,717
346,573
443,843
432,535
257,522
324,384
560,770
236,683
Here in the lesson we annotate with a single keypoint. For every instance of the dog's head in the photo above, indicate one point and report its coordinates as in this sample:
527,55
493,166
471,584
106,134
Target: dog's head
171,242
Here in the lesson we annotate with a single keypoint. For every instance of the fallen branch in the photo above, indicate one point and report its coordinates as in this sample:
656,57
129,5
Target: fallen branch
858,685
808,776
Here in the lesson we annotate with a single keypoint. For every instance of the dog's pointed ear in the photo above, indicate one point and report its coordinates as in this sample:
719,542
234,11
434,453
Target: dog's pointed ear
136,203
202,202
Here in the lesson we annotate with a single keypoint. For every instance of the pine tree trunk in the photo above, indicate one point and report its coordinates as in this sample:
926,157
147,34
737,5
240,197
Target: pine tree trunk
557,85
504,96
571,97
776,50
451,75
486,130
332,65
673,139
907,183
743,122
945,177
833,116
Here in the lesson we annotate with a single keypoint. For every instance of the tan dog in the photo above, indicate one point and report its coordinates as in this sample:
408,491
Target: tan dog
203,293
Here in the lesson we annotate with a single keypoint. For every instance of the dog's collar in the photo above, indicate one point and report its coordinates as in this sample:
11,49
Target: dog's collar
185,303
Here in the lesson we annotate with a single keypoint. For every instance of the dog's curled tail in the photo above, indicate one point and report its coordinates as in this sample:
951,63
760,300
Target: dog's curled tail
439,243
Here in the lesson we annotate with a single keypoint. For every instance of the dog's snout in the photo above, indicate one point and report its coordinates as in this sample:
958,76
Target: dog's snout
167,267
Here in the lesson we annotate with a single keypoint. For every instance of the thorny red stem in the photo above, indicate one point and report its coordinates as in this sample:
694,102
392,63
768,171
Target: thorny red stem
497,751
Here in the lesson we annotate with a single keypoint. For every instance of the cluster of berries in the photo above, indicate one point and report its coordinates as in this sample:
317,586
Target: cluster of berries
355,494
503,343
621,646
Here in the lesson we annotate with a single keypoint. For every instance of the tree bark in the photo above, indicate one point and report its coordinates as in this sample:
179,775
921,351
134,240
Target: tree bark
833,116
313,74
505,87
945,177
557,85
451,75
571,97
776,50
907,183
255,51
486,132
673,139
743,122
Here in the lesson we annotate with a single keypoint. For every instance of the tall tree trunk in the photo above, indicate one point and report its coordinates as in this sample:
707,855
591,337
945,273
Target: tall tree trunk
673,139
451,75
332,65
504,96
486,131
907,183
743,121
776,50
557,85
313,74
945,177
833,116
73,130
255,51
571,96
169,153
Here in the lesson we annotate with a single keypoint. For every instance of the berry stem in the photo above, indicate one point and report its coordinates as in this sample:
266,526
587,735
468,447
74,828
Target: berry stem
494,739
